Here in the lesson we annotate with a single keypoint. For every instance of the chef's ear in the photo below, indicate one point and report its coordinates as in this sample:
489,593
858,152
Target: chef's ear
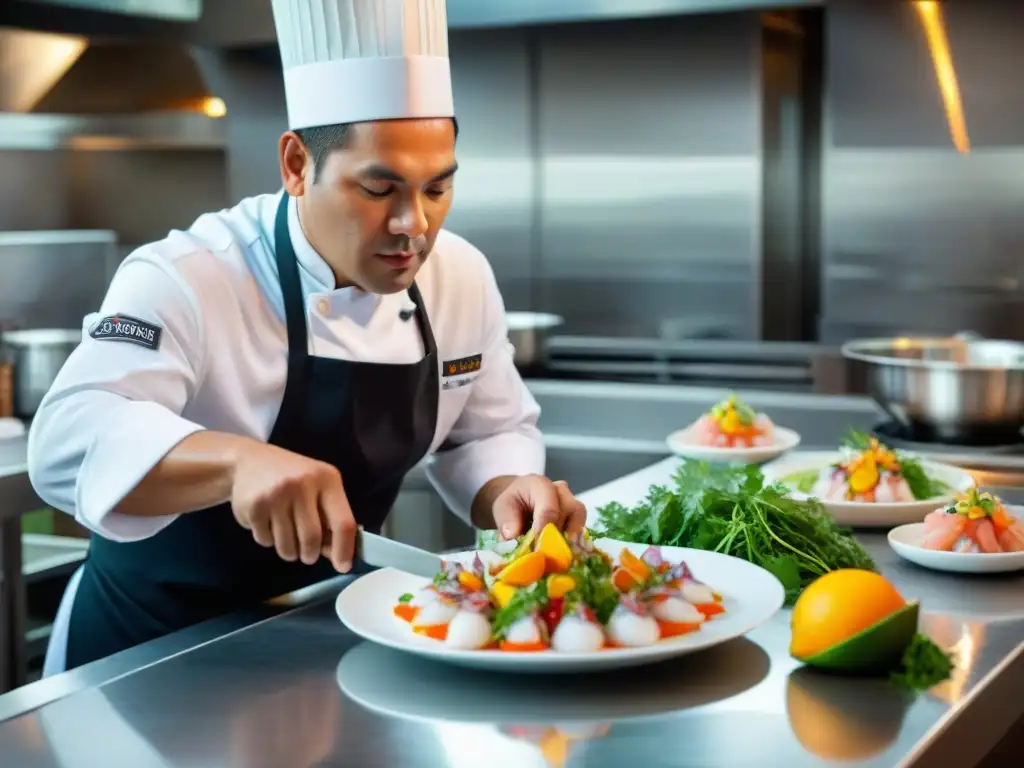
296,163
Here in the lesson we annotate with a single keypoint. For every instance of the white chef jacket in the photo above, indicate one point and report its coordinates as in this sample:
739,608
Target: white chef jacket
117,408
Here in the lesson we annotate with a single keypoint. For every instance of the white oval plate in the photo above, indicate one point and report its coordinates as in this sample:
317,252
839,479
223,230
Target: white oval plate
751,596
785,440
906,542
866,514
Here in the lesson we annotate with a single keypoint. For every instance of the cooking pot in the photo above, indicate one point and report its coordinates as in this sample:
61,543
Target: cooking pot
38,356
963,389
528,332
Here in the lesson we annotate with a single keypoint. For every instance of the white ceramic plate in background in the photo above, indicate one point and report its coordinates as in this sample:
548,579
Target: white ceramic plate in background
870,514
906,542
751,596
680,444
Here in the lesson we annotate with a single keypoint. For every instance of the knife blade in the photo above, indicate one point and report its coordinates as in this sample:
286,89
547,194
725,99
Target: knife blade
384,553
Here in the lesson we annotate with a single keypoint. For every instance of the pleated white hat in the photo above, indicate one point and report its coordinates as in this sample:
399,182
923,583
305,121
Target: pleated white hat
350,61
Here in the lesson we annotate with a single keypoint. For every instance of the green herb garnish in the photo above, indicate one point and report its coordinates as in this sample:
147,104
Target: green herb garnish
593,587
729,509
923,665
921,485
407,597
802,481
525,601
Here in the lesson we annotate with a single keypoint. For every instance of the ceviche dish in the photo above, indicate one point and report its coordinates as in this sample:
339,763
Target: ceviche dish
975,522
732,424
868,471
558,593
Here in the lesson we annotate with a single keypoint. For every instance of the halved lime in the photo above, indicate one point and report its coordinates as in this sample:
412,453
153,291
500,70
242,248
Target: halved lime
876,649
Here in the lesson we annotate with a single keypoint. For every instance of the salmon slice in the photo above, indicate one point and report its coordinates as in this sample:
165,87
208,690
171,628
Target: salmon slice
985,536
1012,539
943,535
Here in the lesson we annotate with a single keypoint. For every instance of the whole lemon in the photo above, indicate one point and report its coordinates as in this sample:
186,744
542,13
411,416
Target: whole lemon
837,606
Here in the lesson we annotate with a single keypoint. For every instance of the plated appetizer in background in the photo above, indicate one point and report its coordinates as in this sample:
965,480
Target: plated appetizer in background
550,592
867,483
976,521
733,431
868,472
973,533
733,424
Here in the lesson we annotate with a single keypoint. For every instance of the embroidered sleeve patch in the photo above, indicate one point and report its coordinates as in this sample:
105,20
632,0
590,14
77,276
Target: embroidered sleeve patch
127,328
462,366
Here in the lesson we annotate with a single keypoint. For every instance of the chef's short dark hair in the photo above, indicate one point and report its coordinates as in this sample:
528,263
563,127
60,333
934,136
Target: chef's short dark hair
324,139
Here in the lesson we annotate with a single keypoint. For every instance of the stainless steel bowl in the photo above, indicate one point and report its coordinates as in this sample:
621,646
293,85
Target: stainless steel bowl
964,390
39,355
528,332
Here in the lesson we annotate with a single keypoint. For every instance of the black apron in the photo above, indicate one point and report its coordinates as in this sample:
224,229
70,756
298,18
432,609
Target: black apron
373,421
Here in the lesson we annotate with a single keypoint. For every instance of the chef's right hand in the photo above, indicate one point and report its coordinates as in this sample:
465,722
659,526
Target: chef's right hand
293,503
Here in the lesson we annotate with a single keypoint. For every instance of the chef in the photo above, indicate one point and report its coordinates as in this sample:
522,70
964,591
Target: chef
259,384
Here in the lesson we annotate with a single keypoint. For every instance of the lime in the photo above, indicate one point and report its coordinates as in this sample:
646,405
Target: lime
873,650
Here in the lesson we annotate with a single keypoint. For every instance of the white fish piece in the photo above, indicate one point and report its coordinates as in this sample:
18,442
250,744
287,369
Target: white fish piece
525,630
698,594
505,546
469,631
436,613
677,611
425,596
966,544
490,558
577,635
626,628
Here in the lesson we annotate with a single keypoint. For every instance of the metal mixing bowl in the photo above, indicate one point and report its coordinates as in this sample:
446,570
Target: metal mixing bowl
962,390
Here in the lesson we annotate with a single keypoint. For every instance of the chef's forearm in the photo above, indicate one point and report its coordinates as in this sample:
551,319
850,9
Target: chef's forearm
197,473
482,511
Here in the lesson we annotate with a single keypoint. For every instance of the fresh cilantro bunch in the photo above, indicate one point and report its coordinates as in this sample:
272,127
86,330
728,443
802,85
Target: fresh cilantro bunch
729,509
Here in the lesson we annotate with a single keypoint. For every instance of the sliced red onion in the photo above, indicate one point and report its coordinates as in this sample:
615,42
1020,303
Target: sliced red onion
680,571
652,556
477,602
478,566
633,605
452,570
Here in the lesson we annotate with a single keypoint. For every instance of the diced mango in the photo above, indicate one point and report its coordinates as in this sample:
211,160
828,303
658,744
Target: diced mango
636,567
470,581
525,571
559,585
555,548
623,580
503,593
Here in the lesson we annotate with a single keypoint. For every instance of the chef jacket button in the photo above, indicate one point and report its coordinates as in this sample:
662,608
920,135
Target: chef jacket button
323,306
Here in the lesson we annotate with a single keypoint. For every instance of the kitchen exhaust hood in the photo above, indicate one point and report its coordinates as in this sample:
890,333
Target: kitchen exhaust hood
250,23
169,10
60,90
504,13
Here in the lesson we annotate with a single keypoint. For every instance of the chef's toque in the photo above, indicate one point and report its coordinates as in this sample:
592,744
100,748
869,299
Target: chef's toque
350,61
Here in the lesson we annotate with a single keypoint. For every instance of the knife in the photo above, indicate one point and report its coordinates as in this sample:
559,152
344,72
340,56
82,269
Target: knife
383,553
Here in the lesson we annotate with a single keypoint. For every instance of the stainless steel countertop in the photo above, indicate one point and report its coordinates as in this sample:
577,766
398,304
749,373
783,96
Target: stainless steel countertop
298,689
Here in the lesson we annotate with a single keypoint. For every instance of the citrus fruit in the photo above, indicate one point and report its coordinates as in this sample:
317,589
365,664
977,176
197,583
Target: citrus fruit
878,648
838,606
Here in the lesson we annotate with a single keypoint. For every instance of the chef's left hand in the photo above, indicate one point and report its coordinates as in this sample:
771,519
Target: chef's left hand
536,499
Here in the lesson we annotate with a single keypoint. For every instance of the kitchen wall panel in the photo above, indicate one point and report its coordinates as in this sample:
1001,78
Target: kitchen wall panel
649,142
143,194
919,238
33,189
494,206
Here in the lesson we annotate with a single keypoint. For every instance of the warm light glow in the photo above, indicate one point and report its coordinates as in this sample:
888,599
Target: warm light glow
31,63
930,13
214,107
